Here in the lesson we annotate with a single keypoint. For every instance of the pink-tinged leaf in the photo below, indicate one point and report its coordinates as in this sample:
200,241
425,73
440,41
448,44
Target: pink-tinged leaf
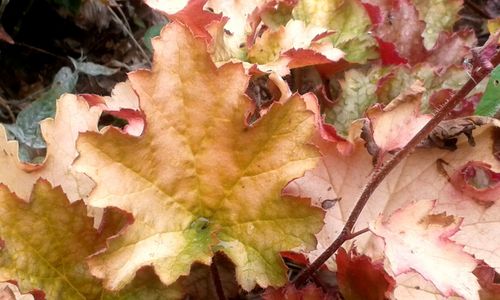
478,181
394,125
416,240
290,292
402,27
190,13
336,182
360,278
451,49
123,104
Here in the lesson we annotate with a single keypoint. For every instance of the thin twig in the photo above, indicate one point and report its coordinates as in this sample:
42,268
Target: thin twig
378,176
476,8
129,33
5,105
217,282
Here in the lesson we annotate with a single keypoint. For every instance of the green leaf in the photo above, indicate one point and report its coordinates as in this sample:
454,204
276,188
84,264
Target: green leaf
358,93
27,129
151,33
348,19
438,15
490,103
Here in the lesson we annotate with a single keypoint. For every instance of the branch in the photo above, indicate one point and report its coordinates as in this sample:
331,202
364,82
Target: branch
478,74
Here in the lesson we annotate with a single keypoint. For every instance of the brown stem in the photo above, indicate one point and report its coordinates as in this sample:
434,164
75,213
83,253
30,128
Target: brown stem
217,282
478,74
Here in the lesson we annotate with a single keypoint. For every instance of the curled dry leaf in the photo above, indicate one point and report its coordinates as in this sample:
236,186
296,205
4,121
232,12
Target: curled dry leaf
393,126
416,240
185,205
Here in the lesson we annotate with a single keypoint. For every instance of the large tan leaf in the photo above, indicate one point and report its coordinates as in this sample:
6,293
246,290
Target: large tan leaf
200,180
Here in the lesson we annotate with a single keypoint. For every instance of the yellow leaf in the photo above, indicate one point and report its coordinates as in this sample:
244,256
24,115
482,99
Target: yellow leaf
201,180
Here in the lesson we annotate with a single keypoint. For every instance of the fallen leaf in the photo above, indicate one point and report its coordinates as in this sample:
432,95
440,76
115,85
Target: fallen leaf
189,206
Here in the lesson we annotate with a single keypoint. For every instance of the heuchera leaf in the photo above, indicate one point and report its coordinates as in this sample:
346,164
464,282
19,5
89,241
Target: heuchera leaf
360,278
394,125
419,241
336,181
48,252
358,93
348,20
438,16
287,46
200,180
399,30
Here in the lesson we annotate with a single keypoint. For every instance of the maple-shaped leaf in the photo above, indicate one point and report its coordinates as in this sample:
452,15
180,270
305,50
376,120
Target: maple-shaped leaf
360,278
438,16
49,252
416,240
348,20
401,78
201,180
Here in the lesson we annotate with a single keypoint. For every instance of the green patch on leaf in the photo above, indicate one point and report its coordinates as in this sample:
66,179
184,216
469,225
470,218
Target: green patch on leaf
490,103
